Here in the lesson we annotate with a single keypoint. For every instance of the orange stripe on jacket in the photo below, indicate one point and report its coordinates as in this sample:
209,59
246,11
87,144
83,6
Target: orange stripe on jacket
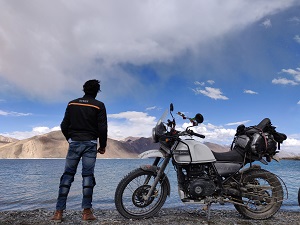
74,103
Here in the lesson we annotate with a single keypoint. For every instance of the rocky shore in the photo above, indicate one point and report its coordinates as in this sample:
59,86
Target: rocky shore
174,216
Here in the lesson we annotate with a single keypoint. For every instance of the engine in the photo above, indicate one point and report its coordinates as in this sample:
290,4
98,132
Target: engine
198,182
201,187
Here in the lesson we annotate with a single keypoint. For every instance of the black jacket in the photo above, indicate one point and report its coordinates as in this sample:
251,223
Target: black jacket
85,119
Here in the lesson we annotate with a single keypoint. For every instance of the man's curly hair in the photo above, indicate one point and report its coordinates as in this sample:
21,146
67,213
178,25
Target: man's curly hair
91,87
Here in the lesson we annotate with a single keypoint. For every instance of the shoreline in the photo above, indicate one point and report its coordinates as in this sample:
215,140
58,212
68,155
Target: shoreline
172,216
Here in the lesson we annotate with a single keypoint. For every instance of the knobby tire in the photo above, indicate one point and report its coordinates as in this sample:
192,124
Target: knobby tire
129,192
262,201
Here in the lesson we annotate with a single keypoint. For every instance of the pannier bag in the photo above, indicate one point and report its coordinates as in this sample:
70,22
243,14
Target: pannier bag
242,141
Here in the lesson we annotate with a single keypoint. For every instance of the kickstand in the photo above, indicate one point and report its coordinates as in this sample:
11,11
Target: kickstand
208,211
207,208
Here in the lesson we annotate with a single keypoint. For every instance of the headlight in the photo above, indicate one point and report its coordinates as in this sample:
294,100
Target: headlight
158,131
154,135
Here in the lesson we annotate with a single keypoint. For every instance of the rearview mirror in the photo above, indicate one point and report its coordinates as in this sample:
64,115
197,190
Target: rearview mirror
199,118
171,107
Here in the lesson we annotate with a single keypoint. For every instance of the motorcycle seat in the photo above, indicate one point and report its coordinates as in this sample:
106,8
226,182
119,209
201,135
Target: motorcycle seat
231,156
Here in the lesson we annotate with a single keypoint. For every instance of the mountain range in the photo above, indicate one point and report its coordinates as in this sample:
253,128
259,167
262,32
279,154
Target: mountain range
54,145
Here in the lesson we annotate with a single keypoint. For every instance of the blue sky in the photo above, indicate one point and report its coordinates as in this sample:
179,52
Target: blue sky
233,61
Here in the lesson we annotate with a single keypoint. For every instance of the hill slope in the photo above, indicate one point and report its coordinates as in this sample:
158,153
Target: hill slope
54,145
6,140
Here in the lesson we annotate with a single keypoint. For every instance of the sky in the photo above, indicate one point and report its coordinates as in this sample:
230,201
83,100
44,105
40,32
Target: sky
235,62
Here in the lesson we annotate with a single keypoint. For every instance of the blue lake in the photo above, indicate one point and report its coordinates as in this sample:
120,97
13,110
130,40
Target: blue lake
27,184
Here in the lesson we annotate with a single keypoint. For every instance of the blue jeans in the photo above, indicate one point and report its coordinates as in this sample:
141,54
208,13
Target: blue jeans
87,152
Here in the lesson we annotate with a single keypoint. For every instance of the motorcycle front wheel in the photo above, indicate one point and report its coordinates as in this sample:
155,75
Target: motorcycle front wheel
261,195
131,192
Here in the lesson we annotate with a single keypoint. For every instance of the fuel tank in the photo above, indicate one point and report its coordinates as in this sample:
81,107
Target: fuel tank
191,151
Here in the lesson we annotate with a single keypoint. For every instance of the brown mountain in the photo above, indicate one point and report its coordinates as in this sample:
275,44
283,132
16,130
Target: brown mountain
54,145
51,145
6,140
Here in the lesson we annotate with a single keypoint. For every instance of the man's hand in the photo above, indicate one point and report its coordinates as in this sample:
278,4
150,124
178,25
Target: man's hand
101,150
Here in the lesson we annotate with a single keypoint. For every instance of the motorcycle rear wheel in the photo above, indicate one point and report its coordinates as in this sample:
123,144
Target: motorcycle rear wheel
262,195
132,188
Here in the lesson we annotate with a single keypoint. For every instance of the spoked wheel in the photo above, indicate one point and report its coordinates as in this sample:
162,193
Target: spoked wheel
130,196
262,195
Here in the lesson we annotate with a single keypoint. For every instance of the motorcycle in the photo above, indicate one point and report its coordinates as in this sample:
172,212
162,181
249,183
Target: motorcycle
204,176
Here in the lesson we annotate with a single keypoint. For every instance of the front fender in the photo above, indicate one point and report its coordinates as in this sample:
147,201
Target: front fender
164,178
151,154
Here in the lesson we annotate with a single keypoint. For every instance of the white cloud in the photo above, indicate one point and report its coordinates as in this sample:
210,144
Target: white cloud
133,116
43,130
151,108
294,19
214,93
211,82
267,23
131,123
237,123
291,145
298,103
57,43
284,81
295,73
199,83
5,113
297,38
250,92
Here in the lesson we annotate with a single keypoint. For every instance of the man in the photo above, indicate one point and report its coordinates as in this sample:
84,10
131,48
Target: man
84,122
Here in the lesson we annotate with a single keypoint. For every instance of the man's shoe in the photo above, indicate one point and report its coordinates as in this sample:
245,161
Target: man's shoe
87,215
57,217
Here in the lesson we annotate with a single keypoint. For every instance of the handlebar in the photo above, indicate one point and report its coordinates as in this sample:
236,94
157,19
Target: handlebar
176,134
195,134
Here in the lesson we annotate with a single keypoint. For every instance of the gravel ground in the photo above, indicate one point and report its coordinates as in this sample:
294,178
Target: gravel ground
165,216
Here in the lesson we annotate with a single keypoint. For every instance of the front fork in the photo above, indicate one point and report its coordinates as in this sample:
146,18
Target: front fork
159,175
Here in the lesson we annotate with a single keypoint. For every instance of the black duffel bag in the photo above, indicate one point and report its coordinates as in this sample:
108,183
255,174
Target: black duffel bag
258,141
